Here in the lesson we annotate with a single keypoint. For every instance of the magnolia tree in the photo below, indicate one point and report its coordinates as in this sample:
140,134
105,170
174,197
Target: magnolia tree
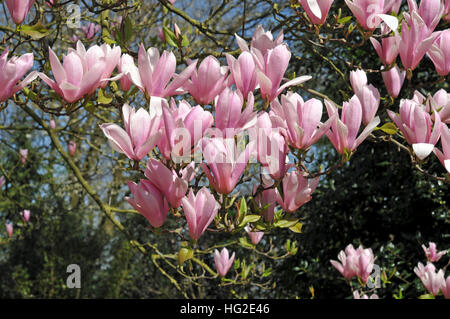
206,130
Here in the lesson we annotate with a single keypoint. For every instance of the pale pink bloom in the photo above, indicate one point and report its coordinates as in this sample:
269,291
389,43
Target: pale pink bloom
297,191
299,119
142,132
52,124
431,252
444,156
161,35
11,71
183,127
267,198
393,80
127,67
430,11
357,296
441,102
317,10
417,127
416,40
388,49
18,9
168,182
431,280
344,131
224,164
25,215
156,71
200,211
271,68
148,201
353,262
172,2
2,181
243,72
223,261
72,146
229,116
366,11
49,2
23,155
255,236
392,6
74,82
261,40
358,79
9,229
208,81
369,97
446,288
272,149
90,30
439,53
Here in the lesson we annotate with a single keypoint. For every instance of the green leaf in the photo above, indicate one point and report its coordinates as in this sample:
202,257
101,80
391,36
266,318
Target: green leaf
244,242
344,20
242,210
102,98
249,219
185,42
297,228
184,254
36,32
426,296
285,223
170,37
389,128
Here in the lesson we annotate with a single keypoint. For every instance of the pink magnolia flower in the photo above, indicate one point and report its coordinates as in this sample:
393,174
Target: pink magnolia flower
72,146
358,79
23,155
297,191
431,279
388,49
416,40
300,119
183,128
142,132
271,68
52,124
11,71
272,149
25,215
50,3
74,82
200,211
446,16
367,94
317,10
208,81
223,261
243,72
224,165
417,127
392,6
9,229
344,131
439,53
355,262
148,201
18,9
393,80
357,296
173,187
261,40
229,116
155,72
430,11
444,156
127,67
267,201
255,236
431,252
441,102
91,30
446,288
366,11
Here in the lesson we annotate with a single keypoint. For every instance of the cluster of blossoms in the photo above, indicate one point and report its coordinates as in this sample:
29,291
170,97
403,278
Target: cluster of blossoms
434,281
